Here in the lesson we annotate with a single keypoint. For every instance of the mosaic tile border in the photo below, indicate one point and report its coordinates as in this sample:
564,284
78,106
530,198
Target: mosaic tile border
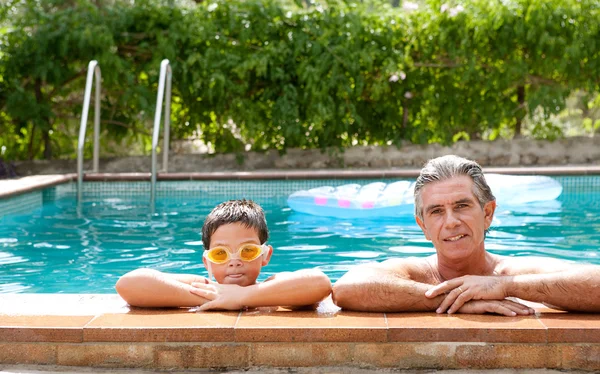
255,185
230,189
22,203
234,189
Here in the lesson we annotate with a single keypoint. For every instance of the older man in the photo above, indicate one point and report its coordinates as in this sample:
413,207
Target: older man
454,207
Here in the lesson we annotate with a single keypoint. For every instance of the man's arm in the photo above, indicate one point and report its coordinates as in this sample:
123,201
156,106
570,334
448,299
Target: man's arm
385,287
299,288
576,289
152,288
557,284
389,287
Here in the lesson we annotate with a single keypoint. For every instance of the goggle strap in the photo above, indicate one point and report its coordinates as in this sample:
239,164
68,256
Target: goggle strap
210,273
209,266
266,251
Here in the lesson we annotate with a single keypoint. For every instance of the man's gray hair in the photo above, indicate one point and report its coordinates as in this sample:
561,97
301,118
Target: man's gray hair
446,167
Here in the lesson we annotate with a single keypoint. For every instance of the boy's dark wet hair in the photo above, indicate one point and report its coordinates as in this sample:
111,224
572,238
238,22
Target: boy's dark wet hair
246,212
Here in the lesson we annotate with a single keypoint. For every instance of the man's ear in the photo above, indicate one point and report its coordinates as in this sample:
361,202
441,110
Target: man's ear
488,209
266,258
422,226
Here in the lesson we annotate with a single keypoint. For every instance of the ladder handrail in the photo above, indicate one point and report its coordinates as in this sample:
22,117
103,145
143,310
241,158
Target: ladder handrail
93,70
165,77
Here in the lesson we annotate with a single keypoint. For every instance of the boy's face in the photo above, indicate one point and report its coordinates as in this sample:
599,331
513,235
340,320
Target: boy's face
236,271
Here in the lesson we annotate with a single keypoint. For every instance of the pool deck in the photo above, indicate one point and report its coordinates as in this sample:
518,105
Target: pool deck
103,331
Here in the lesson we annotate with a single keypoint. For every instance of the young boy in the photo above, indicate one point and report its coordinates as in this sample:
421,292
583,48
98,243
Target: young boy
234,236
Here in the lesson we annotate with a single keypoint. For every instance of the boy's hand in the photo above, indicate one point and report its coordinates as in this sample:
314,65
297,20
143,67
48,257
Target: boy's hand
221,296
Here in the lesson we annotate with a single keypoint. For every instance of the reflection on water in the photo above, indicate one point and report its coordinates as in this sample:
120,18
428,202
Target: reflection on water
55,250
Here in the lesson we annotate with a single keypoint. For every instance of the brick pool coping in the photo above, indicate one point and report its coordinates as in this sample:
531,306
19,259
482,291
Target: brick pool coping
102,331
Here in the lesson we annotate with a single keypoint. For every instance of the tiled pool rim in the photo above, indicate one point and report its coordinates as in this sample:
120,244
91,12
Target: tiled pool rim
11,187
102,331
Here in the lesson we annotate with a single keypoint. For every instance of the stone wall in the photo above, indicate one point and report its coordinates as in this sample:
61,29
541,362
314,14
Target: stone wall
519,152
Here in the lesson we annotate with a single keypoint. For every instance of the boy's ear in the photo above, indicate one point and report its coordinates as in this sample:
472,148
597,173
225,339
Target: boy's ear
267,258
204,262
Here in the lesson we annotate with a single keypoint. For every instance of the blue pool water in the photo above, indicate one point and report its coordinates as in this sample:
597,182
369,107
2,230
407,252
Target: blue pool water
58,248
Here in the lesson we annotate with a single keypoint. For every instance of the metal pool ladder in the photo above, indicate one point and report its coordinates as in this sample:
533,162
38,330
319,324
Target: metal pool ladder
93,70
165,77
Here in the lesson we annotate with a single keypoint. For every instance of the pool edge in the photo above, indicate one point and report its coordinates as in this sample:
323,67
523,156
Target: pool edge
102,331
18,186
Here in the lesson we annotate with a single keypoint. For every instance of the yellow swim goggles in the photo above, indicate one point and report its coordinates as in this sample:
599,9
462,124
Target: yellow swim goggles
246,252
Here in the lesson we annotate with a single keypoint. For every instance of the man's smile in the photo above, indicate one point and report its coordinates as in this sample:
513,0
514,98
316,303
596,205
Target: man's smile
455,238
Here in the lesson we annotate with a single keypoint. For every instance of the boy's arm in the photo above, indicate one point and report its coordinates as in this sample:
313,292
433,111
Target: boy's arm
302,287
152,288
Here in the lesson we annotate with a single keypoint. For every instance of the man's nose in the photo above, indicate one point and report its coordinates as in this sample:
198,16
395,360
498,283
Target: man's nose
452,219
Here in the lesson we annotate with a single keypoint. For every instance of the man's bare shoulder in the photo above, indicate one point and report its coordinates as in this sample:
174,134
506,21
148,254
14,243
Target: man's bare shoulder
415,268
530,265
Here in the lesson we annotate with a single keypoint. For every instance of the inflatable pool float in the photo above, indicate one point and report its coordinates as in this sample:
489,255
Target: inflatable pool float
396,199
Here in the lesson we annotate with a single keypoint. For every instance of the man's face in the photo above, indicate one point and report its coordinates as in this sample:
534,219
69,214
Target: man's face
236,271
453,219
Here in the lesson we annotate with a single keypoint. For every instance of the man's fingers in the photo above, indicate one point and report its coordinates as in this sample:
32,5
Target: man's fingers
510,308
518,307
462,298
449,300
501,309
522,312
438,290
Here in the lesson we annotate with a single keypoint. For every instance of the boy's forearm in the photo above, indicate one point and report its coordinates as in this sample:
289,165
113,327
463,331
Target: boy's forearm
154,289
187,278
290,289
575,290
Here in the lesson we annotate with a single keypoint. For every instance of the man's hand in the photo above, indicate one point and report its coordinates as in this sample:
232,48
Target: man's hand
469,287
503,307
221,296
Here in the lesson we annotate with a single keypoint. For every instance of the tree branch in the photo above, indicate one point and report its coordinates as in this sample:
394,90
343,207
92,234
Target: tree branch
122,124
69,80
537,80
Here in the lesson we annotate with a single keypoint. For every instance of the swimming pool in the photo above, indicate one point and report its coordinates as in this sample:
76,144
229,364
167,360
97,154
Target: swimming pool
48,245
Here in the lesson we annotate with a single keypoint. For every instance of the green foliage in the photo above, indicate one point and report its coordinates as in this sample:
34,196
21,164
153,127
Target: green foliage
287,74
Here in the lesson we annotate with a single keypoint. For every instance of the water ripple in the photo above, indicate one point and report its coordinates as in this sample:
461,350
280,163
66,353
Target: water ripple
58,249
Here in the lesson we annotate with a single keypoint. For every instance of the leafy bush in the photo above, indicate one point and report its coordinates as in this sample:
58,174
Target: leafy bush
277,75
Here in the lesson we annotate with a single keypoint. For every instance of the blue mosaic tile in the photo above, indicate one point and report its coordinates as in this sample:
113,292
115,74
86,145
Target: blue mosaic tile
22,203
